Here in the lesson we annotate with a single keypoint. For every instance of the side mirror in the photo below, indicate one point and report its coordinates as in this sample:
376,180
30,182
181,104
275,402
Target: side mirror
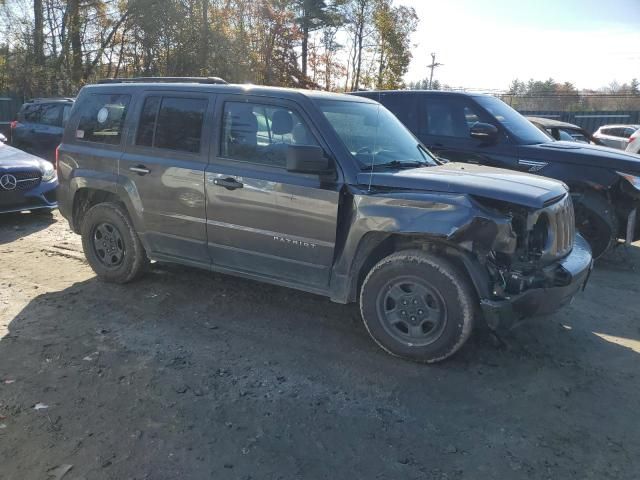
484,131
307,159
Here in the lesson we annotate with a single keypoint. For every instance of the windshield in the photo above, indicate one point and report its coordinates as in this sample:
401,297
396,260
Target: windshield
373,135
519,127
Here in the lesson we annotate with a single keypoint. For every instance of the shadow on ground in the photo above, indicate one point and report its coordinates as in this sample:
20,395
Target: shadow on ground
14,226
191,375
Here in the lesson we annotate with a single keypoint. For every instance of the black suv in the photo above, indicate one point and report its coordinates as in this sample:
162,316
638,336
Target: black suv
325,193
481,129
39,126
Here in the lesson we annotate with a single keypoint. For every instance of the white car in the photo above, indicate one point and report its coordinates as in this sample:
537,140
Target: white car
615,136
633,145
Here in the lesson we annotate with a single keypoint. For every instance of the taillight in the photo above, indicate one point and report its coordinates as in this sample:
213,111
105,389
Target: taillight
14,124
57,157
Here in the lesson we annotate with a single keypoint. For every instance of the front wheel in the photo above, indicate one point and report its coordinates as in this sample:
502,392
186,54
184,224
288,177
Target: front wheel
417,306
596,222
111,245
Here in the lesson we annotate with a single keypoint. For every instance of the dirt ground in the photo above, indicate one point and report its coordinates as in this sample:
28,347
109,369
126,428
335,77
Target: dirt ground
191,375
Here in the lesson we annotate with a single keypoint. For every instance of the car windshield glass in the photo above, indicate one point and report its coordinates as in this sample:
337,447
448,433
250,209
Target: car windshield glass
374,136
519,127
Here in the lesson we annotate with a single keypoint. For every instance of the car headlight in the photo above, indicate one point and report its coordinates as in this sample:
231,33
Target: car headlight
48,172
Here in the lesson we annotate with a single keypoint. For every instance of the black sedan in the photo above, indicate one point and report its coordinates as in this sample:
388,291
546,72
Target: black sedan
26,182
563,130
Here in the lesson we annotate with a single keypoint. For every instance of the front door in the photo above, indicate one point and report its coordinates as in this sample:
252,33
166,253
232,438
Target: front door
261,219
163,166
446,125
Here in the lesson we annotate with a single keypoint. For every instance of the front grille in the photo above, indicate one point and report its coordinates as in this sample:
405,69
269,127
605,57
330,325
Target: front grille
562,226
25,179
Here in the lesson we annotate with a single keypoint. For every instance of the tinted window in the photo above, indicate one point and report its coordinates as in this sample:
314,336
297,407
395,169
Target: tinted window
261,133
521,128
50,114
450,117
146,126
102,117
405,107
179,124
65,114
29,114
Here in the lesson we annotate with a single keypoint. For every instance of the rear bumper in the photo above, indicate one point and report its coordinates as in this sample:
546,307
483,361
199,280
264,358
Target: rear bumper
41,197
564,279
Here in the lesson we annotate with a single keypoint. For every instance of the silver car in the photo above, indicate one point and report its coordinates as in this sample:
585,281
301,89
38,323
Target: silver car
615,136
633,143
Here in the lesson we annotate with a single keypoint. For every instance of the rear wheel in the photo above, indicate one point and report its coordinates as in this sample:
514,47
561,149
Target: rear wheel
417,306
596,222
111,244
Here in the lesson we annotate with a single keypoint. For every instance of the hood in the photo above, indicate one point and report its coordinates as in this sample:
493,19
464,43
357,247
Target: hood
506,185
13,159
583,154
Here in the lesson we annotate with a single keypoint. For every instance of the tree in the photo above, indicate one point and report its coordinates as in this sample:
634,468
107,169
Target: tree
358,16
314,15
393,26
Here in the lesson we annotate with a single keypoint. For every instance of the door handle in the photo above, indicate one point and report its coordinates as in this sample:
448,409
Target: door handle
228,183
140,169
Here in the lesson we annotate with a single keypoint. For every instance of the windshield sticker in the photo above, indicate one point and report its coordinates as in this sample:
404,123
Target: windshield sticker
103,114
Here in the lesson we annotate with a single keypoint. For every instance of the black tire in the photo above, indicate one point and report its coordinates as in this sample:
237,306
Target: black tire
597,223
111,245
426,331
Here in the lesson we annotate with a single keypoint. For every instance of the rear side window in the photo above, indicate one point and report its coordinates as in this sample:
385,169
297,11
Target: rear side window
172,123
102,117
50,114
29,114
405,107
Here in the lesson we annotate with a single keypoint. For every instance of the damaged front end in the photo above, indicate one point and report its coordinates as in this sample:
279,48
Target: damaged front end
535,263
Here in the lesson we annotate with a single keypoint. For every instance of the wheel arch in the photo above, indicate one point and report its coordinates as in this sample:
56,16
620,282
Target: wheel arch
374,246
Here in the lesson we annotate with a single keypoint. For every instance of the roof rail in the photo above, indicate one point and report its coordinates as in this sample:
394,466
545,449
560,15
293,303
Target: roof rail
209,80
50,99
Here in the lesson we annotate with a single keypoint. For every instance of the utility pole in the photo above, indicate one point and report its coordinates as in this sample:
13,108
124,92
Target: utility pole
433,65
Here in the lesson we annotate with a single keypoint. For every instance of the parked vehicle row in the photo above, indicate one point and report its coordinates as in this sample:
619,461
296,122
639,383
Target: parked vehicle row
483,130
321,192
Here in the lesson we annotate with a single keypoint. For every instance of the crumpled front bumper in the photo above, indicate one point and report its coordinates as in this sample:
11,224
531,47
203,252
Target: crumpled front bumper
565,279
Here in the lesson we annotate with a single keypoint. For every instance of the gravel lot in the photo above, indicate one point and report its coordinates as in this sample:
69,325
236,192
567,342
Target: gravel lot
191,375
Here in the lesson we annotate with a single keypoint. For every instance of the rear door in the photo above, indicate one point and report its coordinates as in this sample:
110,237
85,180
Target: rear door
94,142
261,219
446,125
48,132
163,167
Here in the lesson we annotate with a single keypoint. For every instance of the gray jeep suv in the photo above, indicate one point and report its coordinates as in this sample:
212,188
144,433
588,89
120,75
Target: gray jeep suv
321,192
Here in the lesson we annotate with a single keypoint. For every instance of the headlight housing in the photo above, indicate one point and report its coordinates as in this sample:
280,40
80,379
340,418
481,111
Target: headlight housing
632,179
48,172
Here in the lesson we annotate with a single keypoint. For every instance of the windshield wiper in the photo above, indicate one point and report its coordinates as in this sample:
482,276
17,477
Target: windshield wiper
396,164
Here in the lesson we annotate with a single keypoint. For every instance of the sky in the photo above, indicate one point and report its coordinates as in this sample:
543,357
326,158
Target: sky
485,44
